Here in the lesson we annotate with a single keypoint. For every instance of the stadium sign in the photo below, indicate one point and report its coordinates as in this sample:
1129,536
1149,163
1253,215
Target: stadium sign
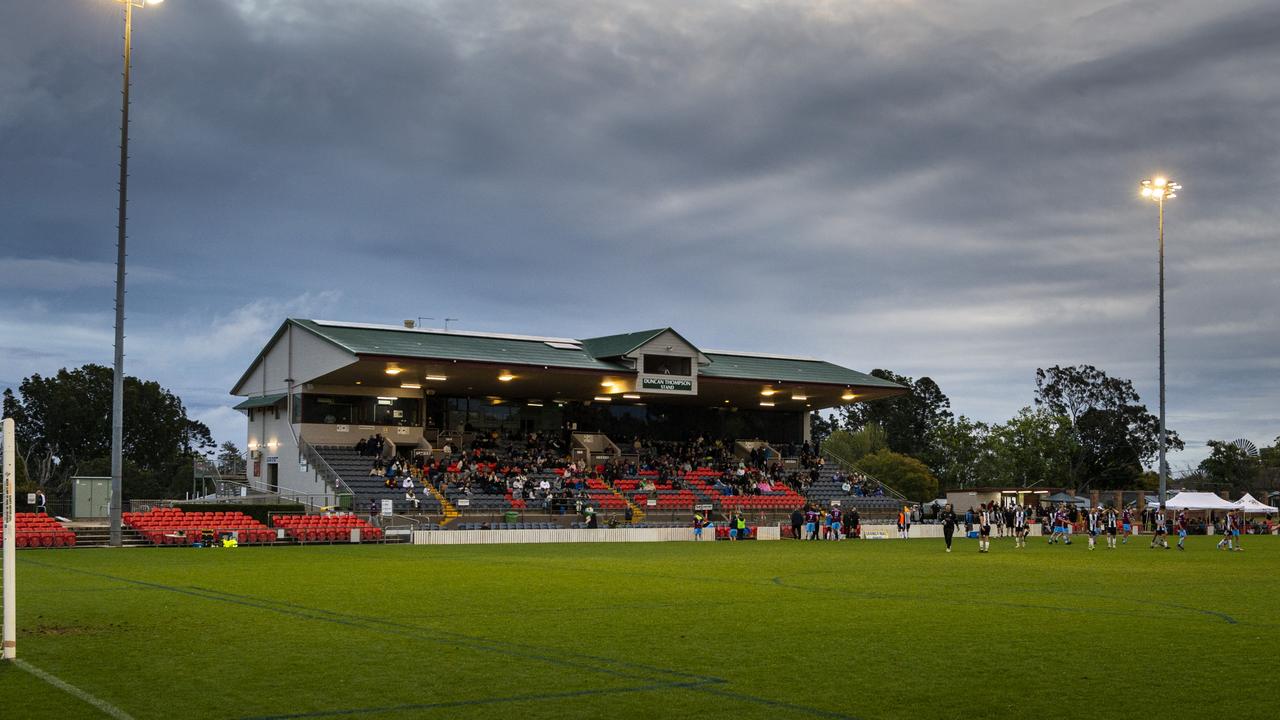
667,384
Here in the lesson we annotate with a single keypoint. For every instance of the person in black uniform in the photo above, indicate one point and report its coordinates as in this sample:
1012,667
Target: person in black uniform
797,523
948,517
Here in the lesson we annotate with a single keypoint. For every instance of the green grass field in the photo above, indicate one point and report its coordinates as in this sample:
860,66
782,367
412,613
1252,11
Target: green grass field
873,629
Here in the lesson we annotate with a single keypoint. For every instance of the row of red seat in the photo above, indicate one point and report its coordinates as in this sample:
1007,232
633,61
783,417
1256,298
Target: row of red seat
325,528
40,530
172,526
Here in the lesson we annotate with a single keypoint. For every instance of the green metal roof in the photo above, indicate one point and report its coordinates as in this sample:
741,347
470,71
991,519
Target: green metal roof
259,401
610,346
394,342
588,354
787,370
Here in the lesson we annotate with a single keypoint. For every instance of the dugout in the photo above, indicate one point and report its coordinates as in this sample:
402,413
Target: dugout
331,383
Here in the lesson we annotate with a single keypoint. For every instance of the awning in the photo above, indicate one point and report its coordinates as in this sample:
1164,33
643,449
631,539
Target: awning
1250,505
259,402
1198,501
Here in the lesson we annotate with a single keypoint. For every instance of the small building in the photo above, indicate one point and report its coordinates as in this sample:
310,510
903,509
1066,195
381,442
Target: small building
332,383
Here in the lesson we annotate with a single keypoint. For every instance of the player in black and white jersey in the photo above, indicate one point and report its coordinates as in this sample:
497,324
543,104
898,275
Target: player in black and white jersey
1020,527
984,529
1094,521
1161,537
1111,524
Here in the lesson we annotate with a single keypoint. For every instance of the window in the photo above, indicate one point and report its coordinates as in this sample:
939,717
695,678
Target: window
668,365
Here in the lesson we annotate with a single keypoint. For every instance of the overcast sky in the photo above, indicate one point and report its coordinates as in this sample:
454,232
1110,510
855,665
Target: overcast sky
939,187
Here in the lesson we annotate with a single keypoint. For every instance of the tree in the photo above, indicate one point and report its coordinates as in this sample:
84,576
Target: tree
1035,447
905,474
1115,435
64,429
230,459
909,421
821,426
963,452
1229,466
853,446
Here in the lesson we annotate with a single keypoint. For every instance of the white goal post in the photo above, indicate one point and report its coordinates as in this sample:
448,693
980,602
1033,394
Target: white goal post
10,648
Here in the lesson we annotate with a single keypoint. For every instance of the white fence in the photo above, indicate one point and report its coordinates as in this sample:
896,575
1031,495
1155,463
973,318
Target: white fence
499,537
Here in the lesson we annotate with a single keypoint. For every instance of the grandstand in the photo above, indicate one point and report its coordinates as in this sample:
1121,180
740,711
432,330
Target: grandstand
438,401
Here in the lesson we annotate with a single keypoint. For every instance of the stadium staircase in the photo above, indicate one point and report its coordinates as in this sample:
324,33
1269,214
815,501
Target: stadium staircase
637,513
447,509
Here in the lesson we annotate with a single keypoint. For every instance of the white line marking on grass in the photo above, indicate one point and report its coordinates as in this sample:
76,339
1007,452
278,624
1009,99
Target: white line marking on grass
70,689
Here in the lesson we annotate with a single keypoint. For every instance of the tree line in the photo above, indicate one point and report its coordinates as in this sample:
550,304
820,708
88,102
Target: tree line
63,429
1083,430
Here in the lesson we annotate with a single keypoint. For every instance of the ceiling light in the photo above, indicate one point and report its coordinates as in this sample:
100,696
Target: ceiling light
848,395
768,392
410,386
608,383
604,398
631,396
799,397
435,378
535,403
765,403
394,370
506,377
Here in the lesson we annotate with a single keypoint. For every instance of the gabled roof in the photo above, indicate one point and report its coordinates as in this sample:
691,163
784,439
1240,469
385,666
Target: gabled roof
611,346
593,354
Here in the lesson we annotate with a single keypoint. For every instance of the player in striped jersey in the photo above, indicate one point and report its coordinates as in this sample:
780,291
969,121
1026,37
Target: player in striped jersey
984,529
1162,531
1094,520
1110,522
1020,527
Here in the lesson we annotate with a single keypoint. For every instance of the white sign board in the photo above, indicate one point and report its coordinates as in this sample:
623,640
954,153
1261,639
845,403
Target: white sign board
387,508
651,502
463,502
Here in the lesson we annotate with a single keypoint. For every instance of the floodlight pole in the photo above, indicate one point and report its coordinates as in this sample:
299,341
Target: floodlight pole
10,642
117,375
1164,472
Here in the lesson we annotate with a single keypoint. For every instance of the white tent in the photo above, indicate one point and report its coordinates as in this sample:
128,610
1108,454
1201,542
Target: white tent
1199,501
1250,505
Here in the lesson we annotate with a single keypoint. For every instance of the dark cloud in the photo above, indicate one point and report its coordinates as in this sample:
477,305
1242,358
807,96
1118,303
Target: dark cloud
939,188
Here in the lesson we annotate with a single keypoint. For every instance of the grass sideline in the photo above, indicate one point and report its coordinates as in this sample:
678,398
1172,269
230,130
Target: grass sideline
872,629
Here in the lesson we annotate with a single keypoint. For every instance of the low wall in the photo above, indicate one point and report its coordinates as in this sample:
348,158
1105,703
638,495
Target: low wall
928,531
502,537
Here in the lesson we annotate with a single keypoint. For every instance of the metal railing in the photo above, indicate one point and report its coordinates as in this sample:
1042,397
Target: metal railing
326,472
852,467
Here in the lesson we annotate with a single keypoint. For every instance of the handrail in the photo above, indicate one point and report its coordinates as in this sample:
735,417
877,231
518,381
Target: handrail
849,465
323,468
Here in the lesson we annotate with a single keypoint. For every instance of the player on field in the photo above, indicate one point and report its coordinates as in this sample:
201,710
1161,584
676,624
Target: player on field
1020,528
837,516
948,517
1110,522
1180,526
1162,531
1126,523
1094,521
1230,533
811,522
984,528
1059,526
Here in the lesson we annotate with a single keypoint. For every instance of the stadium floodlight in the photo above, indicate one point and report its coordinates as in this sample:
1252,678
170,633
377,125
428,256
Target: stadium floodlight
117,376
1159,189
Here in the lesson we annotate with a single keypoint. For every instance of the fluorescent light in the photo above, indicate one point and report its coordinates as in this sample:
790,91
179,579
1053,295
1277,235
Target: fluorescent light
604,398
386,397
767,392
506,377
765,403
535,403
394,370
435,378
608,383
630,396
410,386
800,397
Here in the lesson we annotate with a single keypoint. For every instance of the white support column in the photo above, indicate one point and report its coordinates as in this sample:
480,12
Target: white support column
10,648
